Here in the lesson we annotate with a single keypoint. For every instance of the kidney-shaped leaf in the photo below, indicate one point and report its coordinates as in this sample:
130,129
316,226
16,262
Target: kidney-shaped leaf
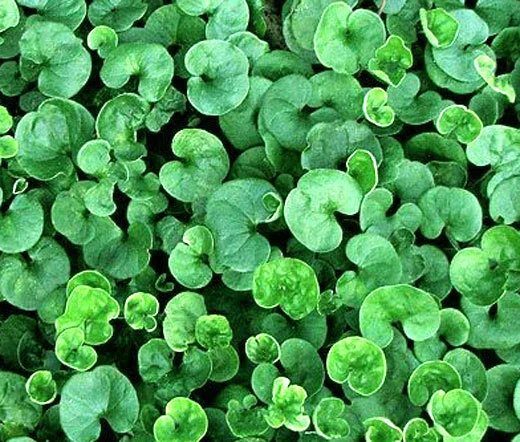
91,309
219,80
102,39
346,40
65,64
103,393
41,387
184,421
21,225
319,194
140,311
118,14
484,274
50,136
376,109
118,122
202,167
430,377
182,313
359,362
455,210
150,62
25,282
287,282
329,419
120,254
233,212
415,309
381,429
391,61
9,15
459,121
186,260
455,413
439,26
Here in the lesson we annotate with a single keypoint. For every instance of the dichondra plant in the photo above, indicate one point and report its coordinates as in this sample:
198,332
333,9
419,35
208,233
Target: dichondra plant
259,220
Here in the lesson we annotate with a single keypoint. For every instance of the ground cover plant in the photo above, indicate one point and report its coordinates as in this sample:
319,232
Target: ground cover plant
259,220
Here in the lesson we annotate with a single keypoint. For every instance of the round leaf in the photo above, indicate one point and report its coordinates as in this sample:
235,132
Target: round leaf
359,362
287,282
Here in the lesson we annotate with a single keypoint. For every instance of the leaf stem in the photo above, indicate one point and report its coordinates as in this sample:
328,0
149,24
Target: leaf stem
381,7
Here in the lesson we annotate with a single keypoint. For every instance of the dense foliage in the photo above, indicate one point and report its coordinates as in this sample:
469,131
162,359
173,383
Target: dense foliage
259,220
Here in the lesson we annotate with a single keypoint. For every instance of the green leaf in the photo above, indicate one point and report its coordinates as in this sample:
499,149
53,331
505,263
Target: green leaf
69,214
410,106
233,213
502,84
439,26
287,282
50,136
456,211
227,18
454,330
186,260
140,311
460,122
102,39
329,419
416,310
6,120
484,274
21,224
26,282
381,429
430,377
104,393
184,421
240,124
262,348
151,63
213,331
118,122
91,309
418,430
245,419
376,109
219,80
495,328
319,194
182,313
359,362
345,40
63,64
119,254
225,363
41,388
10,15
8,147
378,265
500,400
202,166
341,92
69,12
456,61
455,413
118,14
391,61
471,370
286,408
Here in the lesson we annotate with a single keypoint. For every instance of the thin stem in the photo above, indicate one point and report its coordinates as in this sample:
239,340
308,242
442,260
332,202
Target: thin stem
381,7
